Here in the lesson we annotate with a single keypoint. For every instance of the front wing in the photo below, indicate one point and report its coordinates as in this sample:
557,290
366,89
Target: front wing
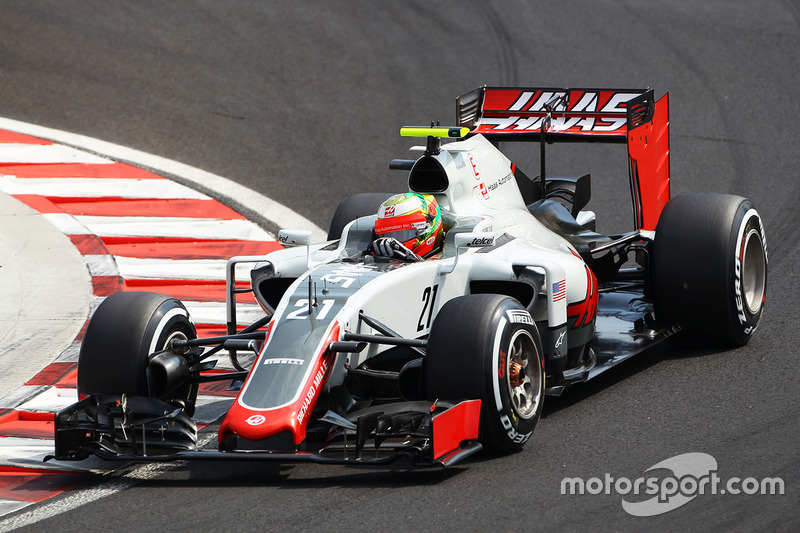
418,434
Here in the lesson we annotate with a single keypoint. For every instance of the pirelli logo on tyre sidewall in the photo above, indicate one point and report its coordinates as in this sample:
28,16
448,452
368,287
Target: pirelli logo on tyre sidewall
519,316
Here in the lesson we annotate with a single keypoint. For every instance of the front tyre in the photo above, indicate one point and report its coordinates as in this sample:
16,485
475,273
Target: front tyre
710,267
121,336
487,347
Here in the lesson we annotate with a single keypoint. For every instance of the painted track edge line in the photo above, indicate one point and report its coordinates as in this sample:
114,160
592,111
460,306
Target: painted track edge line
128,477
229,192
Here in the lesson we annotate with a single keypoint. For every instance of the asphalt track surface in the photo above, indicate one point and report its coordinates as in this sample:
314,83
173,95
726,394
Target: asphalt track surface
302,100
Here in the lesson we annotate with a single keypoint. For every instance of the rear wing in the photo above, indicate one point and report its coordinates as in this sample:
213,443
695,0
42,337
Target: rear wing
548,115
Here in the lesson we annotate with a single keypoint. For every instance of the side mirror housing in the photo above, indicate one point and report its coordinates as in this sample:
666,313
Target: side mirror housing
298,237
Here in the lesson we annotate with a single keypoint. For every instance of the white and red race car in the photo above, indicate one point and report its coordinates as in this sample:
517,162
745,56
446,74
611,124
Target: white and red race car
368,360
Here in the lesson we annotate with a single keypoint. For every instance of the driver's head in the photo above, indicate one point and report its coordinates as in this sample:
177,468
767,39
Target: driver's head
414,220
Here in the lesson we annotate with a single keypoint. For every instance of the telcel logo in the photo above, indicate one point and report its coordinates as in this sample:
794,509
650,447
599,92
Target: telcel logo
482,241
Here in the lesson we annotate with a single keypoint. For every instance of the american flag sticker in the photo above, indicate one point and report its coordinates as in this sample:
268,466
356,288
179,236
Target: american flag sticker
559,290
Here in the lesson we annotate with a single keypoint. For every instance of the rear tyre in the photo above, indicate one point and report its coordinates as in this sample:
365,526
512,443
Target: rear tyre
487,347
709,267
122,334
353,207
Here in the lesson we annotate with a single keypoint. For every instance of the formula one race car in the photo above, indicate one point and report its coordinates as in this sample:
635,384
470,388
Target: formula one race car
363,358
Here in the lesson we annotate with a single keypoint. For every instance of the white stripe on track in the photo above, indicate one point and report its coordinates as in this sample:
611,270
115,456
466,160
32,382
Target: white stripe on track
47,153
99,187
215,312
66,224
10,506
196,228
210,269
51,400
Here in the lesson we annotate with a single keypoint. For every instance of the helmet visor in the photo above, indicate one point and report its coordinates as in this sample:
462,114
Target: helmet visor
403,236
404,228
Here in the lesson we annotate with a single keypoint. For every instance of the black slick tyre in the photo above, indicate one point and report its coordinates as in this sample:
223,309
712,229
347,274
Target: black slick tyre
123,332
487,347
709,268
353,207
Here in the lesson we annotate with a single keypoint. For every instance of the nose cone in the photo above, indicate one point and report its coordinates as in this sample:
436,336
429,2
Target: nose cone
284,385
256,425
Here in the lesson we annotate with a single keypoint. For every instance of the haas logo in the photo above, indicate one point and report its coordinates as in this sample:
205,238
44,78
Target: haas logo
388,211
256,420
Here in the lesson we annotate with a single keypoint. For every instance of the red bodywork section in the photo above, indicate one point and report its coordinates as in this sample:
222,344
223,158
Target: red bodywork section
452,427
584,312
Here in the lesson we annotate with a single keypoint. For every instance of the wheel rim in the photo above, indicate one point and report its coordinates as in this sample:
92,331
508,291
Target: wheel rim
754,272
174,336
523,374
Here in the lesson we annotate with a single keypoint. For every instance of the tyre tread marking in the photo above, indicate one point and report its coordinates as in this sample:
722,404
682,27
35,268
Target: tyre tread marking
501,327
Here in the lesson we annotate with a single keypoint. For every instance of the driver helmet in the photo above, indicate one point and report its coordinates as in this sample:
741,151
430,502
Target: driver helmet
414,220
